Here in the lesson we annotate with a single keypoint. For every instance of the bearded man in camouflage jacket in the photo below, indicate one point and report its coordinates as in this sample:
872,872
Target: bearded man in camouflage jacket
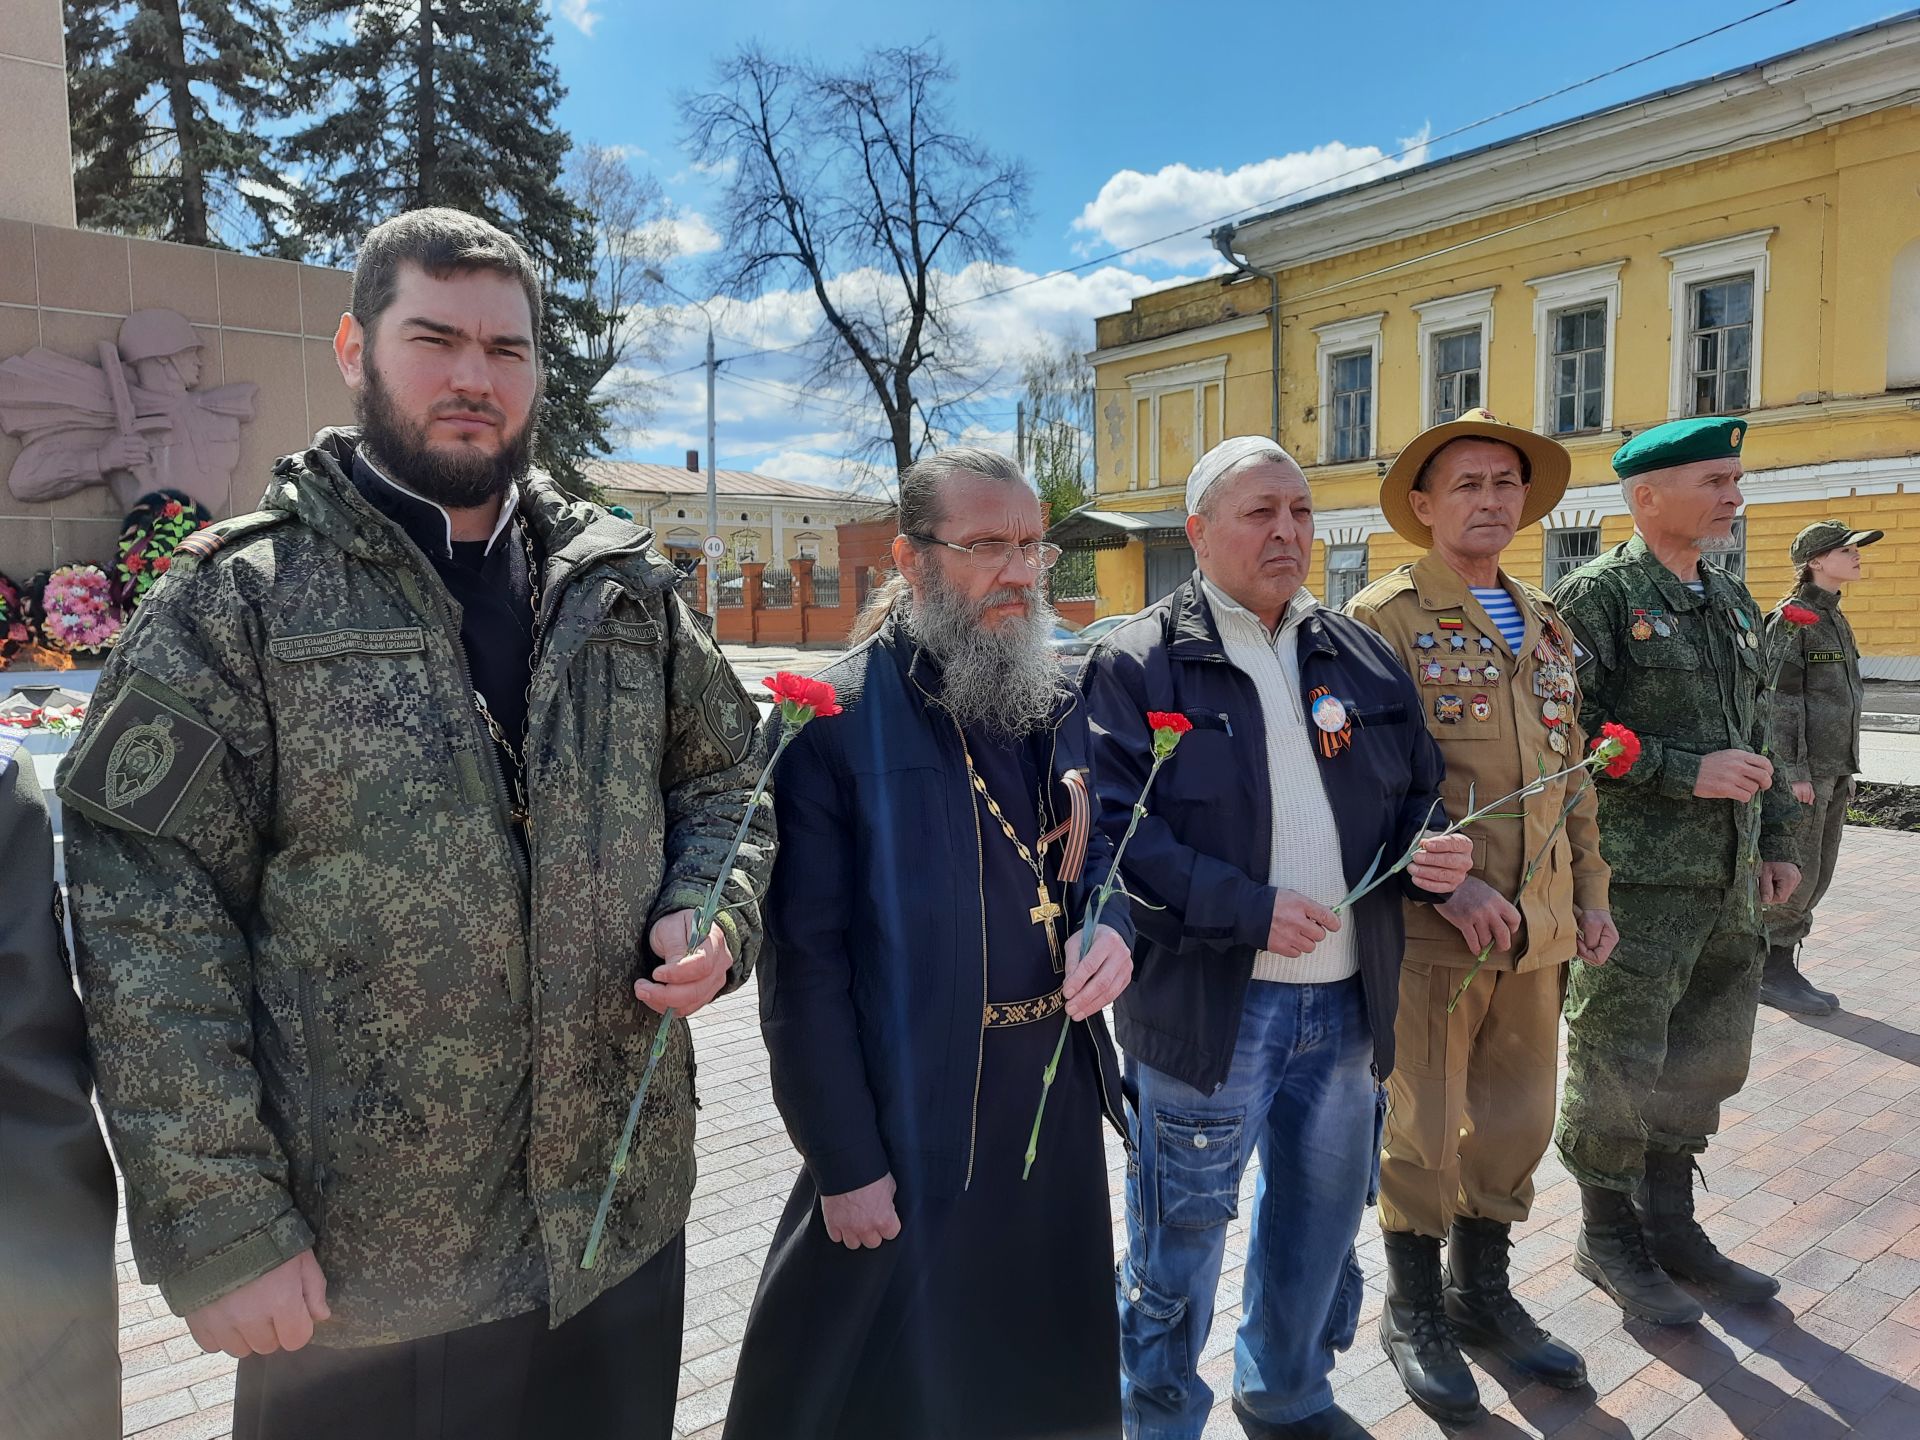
391,800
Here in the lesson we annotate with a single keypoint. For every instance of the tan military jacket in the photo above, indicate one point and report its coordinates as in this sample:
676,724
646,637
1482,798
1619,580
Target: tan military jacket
1495,727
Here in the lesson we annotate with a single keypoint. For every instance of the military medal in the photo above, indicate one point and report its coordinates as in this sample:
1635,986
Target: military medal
1482,707
1486,642
1492,673
1457,642
1558,741
1424,640
1662,628
1432,671
1642,627
1550,712
1464,673
1446,709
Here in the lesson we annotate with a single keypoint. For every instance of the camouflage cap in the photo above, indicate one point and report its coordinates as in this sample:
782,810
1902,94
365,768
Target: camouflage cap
1680,442
1825,535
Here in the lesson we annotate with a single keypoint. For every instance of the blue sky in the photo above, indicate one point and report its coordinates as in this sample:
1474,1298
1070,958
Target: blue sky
1134,120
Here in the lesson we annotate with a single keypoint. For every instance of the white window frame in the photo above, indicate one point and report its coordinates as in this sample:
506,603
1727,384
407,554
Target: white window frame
1443,317
1151,386
1343,337
1572,290
1365,559
1726,259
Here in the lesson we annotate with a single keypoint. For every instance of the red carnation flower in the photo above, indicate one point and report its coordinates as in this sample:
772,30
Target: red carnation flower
816,697
1622,747
171,509
1799,615
163,564
134,562
1168,720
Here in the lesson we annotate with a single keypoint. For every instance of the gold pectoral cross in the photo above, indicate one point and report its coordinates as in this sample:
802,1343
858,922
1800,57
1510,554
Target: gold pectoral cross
1045,913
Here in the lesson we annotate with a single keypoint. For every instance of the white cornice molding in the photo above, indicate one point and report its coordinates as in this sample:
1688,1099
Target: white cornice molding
1802,92
1199,335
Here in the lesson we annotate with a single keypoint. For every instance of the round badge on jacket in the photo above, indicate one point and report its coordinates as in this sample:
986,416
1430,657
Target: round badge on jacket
1329,714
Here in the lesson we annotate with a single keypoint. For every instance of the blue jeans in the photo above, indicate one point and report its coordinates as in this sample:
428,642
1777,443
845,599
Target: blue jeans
1300,1089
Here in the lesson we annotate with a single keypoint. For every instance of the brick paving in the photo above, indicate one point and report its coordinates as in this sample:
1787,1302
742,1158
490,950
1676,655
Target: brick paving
1815,1177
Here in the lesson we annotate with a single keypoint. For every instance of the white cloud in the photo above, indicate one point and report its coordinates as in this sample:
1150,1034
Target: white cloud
687,233
579,13
1133,208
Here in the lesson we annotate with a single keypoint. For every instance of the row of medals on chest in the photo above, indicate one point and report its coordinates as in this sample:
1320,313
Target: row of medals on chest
1468,659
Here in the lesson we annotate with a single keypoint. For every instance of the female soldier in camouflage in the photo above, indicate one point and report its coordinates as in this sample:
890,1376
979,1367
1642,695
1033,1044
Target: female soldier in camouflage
1815,740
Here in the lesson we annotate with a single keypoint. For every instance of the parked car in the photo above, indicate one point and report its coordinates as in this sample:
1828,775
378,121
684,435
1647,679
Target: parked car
1069,639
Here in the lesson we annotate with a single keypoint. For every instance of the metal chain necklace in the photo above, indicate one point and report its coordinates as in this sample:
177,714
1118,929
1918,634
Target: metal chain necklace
516,753
1047,911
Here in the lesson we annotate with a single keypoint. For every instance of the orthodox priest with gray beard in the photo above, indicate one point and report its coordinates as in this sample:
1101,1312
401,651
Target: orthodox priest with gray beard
924,944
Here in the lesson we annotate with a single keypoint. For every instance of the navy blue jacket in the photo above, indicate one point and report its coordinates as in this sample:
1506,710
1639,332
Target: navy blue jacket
873,976
1202,851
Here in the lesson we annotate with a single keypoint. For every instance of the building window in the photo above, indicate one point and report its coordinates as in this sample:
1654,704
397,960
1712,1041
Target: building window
1720,345
1455,336
1574,318
1731,553
1180,411
1567,551
1456,374
1718,297
1579,369
1346,573
1350,405
1348,359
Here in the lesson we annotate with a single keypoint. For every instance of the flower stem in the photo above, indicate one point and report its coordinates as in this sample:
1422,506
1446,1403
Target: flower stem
1478,961
1087,929
703,919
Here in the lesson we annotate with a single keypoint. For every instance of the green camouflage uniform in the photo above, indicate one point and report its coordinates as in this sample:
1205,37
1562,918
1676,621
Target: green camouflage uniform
1660,1035
1816,739
332,1003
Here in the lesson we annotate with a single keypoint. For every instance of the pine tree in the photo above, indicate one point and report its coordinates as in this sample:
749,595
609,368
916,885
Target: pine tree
167,97
451,102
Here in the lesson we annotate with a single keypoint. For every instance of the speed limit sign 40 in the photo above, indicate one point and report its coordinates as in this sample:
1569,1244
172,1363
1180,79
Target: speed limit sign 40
713,547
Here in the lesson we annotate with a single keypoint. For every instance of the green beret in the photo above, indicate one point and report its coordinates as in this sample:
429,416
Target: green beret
1680,442
1825,535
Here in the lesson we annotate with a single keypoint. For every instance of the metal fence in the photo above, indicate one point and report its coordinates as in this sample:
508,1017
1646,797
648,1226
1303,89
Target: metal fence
776,588
733,585
1072,578
826,587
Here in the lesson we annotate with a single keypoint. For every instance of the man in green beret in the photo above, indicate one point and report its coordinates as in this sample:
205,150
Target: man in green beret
1815,740
1699,834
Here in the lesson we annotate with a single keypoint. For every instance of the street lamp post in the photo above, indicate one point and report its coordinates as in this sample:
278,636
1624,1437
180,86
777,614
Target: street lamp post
713,488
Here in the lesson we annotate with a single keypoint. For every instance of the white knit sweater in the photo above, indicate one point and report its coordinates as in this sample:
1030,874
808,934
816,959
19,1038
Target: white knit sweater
1305,852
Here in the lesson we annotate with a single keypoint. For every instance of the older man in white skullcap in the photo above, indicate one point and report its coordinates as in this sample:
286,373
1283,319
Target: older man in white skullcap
1261,1012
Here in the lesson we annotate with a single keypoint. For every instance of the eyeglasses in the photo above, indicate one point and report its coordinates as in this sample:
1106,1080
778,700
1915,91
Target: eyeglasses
994,554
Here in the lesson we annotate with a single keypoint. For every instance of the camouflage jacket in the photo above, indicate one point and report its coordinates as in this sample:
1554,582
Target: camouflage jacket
1816,707
1685,673
333,1002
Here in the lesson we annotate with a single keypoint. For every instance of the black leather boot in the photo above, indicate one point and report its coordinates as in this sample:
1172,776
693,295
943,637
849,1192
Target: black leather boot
1483,1310
1332,1423
1414,1333
1680,1246
1784,988
1611,1251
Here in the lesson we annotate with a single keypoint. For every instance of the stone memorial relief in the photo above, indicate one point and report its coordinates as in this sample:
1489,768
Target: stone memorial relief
136,419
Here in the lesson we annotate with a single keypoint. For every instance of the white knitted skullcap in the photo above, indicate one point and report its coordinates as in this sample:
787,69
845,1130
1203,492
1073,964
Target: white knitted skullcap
1224,458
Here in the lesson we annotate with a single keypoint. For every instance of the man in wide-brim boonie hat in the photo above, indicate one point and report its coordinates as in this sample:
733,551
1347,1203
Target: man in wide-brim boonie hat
1546,468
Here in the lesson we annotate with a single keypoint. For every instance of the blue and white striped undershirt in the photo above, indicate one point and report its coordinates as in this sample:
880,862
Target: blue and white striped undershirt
1500,609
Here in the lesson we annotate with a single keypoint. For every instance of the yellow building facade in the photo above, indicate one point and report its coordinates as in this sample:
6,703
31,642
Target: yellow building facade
1749,244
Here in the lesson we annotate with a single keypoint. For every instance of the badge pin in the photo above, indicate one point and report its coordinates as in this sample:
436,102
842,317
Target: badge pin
1432,671
1491,673
1641,630
1464,674
1550,711
1424,640
1752,644
1482,707
1558,741
1457,642
1662,629
1446,709
1329,714
1486,642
